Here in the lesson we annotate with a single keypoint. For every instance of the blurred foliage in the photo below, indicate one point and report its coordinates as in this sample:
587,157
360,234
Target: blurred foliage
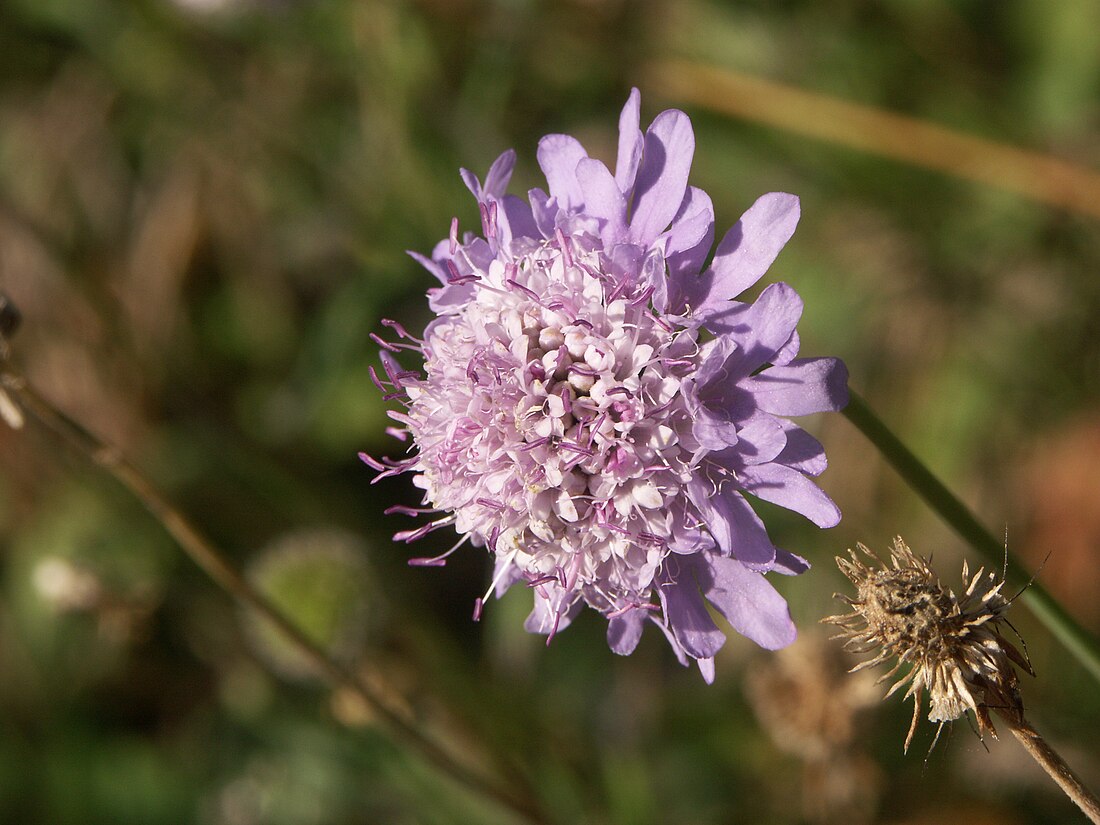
204,207
319,580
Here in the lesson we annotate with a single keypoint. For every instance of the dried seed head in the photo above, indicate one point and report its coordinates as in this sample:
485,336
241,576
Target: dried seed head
952,644
806,702
810,708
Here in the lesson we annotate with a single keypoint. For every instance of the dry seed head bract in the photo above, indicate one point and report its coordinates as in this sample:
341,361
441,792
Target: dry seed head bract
811,708
952,644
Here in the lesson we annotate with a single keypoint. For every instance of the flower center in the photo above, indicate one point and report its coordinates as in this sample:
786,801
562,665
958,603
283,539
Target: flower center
550,420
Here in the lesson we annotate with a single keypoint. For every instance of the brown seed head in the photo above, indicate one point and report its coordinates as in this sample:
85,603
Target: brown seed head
952,645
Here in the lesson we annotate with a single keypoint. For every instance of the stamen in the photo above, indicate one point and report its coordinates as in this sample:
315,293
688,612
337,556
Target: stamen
566,251
614,528
409,536
396,467
382,342
373,463
483,210
674,363
617,291
626,608
405,510
566,400
657,411
573,462
554,630
493,585
441,559
390,346
576,448
534,296
376,380
642,298
400,330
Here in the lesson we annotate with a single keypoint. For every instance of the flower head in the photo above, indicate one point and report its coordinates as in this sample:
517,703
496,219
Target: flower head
594,403
952,644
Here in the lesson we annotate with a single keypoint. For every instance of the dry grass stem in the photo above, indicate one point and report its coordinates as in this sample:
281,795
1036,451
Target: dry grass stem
866,128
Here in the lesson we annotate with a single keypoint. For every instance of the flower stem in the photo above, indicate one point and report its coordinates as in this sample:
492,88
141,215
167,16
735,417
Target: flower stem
1075,638
214,563
1053,764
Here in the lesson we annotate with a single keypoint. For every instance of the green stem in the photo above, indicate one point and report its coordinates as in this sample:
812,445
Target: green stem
1075,638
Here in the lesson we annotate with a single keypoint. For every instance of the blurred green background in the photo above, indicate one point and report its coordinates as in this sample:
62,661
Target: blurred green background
204,207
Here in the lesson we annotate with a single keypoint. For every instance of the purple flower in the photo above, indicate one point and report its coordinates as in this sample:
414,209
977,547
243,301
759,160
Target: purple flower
594,403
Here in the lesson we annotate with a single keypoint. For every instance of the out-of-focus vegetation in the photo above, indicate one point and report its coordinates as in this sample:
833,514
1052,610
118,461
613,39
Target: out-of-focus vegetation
204,207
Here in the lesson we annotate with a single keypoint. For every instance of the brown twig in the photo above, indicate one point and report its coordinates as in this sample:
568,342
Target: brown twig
203,553
1053,764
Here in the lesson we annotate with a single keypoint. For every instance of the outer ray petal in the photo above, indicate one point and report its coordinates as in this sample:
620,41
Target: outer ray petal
747,601
558,157
688,618
789,488
631,143
747,250
625,631
603,200
662,176
736,528
806,385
